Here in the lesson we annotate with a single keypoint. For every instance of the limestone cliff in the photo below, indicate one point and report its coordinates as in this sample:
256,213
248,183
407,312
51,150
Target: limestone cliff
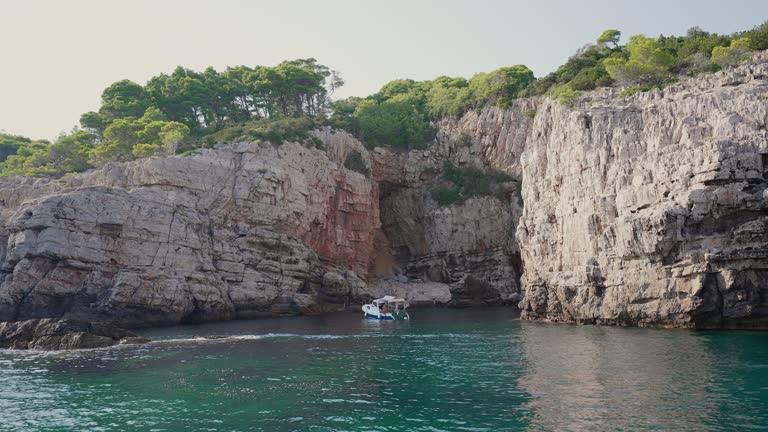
461,254
643,210
234,232
243,230
650,210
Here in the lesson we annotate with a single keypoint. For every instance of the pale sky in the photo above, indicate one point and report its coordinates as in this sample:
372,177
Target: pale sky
56,56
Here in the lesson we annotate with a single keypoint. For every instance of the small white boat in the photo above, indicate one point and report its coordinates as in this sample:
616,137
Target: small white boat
387,308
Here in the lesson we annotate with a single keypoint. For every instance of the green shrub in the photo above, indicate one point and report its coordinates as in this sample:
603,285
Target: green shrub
401,121
467,182
448,97
644,88
355,162
501,86
9,144
275,131
735,53
446,196
40,158
758,37
563,93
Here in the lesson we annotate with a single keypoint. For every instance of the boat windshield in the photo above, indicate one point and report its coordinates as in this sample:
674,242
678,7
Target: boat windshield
393,304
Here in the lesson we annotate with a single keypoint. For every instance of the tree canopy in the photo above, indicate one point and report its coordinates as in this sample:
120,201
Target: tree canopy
179,111
9,144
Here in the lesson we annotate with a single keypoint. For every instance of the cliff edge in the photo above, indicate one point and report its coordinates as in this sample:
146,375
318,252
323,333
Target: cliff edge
650,210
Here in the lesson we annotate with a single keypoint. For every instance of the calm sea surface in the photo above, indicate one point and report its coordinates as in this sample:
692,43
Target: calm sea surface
446,370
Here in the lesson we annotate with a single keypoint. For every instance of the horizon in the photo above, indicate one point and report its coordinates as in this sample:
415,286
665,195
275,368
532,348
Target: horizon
369,44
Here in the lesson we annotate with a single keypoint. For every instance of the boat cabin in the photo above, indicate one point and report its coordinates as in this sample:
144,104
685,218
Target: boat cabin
387,308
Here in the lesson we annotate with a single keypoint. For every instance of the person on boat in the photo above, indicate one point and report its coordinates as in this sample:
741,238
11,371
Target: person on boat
385,308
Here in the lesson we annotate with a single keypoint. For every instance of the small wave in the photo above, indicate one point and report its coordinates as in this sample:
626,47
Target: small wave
248,337
231,338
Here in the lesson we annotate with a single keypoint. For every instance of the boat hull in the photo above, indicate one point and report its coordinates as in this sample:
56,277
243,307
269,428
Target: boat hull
379,317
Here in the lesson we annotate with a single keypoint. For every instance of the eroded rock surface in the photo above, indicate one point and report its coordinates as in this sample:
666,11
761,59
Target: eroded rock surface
650,210
245,230
52,334
647,210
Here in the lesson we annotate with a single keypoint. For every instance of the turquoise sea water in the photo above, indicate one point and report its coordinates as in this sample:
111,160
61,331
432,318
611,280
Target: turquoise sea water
446,370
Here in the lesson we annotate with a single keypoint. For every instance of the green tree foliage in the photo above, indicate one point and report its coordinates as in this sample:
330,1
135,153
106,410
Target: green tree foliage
126,139
402,112
462,183
355,162
448,97
758,37
123,99
401,121
10,144
501,86
210,100
94,122
343,114
648,62
736,52
583,71
41,158
275,131
609,36
695,42
186,109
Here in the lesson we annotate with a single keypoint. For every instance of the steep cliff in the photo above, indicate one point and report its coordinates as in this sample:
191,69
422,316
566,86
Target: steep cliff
462,254
240,231
245,230
650,210
644,210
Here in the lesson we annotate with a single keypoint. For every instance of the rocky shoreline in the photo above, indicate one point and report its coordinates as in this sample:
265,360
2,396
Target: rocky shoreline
647,210
51,334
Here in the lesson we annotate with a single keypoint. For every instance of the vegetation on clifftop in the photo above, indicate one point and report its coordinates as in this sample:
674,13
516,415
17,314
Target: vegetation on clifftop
184,110
461,183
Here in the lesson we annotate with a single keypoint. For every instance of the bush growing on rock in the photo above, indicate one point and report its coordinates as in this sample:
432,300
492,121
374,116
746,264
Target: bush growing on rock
564,93
736,52
355,162
462,183
648,62
274,131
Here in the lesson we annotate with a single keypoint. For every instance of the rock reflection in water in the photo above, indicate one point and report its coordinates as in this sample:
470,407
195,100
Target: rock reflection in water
599,378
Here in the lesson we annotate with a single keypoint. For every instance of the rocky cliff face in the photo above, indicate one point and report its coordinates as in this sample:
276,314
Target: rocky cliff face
462,254
650,210
50,334
244,230
646,210
235,232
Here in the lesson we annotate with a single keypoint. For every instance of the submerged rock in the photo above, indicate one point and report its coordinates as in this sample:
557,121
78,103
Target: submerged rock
51,334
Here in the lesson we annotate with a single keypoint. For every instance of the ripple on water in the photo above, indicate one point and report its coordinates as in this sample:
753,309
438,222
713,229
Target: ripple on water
445,371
